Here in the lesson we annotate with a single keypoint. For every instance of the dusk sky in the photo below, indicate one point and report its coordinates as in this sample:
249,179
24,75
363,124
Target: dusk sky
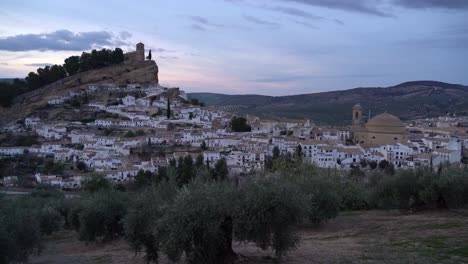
273,47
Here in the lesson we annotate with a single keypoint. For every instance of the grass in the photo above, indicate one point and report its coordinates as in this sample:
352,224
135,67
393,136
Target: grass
436,247
439,226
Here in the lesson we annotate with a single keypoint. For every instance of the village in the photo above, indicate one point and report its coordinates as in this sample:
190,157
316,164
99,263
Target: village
169,124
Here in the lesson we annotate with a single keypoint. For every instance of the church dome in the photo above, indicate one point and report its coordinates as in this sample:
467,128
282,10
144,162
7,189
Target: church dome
385,123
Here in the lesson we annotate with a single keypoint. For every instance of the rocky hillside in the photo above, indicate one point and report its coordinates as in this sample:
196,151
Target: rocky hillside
407,100
143,72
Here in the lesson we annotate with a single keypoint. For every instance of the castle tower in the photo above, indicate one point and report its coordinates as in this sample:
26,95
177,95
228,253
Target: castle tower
140,52
357,115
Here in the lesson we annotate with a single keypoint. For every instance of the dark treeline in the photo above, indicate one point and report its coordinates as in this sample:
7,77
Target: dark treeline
49,74
187,212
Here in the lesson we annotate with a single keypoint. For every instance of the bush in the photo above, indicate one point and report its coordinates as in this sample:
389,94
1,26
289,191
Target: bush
411,189
102,216
269,210
96,183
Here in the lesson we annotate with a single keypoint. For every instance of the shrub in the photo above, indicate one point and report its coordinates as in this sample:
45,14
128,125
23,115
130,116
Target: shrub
102,215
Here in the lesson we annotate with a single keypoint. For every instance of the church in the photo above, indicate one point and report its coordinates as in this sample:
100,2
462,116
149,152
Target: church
383,129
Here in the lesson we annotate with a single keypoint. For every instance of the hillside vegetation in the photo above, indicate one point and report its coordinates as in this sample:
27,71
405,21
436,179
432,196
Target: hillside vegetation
407,100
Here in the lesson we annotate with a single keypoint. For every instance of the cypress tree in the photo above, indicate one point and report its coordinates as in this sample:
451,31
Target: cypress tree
168,109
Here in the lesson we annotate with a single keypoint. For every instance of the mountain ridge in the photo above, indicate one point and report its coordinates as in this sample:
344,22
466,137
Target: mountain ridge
406,100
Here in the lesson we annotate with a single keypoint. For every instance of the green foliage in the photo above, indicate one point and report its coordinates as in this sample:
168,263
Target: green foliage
203,145
140,133
199,223
269,210
25,220
411,189
276,152
102,216
144,178
52,167
49,74
195,101
81,166
96,183
363,163
8,91
239,124
25,140
44,76
143,227
129,134
383,164
199,161
221,170
72,65
168,110
185,170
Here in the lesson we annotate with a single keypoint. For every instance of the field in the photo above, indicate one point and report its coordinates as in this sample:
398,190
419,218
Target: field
353,237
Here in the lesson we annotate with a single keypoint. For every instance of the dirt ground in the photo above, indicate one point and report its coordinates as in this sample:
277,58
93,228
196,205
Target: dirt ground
353,237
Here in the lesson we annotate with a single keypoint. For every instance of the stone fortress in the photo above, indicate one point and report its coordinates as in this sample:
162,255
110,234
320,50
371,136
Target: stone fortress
383,129
135,56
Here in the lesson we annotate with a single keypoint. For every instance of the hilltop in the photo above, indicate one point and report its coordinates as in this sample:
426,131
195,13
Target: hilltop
409,100
144,72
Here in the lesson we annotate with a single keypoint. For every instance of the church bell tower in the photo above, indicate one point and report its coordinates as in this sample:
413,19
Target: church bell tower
357,115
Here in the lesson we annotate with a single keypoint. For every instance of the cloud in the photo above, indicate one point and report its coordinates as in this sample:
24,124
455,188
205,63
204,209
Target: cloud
201,24
161,50
204,21
125,35
305,24
260,21
61,40
3,63
294,12
448,4
339,22
168,57
38,64
197,27
371,7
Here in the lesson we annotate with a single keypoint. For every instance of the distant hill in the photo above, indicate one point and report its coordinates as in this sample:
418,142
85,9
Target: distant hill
6,80
407,100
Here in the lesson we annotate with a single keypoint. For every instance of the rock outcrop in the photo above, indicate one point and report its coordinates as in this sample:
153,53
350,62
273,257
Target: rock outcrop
144,73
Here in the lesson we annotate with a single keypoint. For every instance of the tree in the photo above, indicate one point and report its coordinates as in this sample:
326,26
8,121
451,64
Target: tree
239,124
149,55
363,163
117,56
383,164
143,179
276,152
298,153
200,161
102,216
130,134
373,164
96,183
168,108
72,65
140,132
221,169
185,170
203,145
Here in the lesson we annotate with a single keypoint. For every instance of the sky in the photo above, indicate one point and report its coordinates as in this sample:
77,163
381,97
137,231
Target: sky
270,47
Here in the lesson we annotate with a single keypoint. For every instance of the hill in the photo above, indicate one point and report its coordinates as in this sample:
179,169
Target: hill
408,100
145,72
6,80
